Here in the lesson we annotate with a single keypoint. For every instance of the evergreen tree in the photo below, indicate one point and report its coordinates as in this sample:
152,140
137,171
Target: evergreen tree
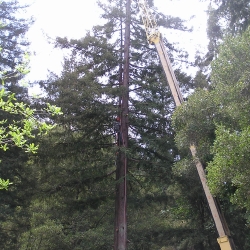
235,14
224,18
12,34
76,176
18,121
76,164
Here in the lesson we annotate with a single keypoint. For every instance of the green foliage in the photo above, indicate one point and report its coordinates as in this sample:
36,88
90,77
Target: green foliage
20,126
76,162
228,170
64,194
13,44
12,31
235,14
18,132
4,184
224,18
217,121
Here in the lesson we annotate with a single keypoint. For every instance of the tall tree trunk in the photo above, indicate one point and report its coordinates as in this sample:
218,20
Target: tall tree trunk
118,162
121,186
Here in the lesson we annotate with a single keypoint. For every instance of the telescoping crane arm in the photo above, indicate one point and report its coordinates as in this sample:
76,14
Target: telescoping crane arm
154,37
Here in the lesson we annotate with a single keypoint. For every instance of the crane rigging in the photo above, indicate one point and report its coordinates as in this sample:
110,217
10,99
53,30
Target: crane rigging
154,37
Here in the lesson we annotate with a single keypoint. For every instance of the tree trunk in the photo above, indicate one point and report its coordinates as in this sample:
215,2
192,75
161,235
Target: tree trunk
120,242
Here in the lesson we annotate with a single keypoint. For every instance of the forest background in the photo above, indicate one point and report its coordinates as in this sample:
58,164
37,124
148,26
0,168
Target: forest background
63,196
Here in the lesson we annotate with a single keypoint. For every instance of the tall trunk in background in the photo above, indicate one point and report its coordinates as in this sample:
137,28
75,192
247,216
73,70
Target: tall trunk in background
118,158
120,241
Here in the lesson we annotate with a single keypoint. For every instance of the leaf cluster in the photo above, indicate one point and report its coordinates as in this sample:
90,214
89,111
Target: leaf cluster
217,121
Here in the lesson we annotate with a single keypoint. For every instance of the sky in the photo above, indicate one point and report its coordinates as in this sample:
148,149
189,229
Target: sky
53,18
72,18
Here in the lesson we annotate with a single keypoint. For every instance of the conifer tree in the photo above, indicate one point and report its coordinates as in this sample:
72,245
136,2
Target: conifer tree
224,18
12,34
19,125
76,162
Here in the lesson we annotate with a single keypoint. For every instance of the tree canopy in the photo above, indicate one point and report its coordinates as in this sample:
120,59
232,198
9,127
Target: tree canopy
63,197
217,121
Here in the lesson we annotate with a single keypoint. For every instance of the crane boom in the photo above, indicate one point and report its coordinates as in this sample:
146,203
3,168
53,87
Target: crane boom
154,37
172,81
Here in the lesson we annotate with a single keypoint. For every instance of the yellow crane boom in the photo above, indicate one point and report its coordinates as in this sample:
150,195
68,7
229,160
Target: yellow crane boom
154,37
